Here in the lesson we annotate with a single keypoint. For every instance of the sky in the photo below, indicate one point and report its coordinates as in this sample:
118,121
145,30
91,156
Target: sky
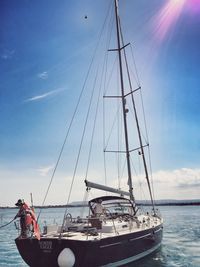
45,51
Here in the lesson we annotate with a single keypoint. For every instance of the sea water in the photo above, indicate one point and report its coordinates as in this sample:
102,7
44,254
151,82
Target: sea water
180,246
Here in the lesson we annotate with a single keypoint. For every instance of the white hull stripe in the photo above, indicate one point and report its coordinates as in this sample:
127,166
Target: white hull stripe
133,258
109,245
160,229
132,239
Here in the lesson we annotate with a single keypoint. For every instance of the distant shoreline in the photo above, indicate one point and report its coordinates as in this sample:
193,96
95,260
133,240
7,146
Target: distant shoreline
188,203
173,204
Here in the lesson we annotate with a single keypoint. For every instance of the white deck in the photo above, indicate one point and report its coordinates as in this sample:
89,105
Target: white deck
110,228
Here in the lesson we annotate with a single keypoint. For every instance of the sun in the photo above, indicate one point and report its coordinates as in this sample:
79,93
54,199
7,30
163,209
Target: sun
178,1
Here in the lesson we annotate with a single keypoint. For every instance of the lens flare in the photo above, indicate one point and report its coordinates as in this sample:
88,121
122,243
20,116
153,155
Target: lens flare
167,17
193,6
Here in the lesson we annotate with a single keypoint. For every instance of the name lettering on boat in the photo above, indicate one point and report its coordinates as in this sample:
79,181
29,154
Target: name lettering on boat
45,245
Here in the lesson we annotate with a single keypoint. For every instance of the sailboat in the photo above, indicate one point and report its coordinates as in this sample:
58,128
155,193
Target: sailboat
116,231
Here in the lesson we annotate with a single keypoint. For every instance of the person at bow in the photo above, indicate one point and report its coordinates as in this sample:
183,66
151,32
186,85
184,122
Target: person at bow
28,221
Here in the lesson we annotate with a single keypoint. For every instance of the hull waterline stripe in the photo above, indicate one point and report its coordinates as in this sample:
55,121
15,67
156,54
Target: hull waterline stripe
133,258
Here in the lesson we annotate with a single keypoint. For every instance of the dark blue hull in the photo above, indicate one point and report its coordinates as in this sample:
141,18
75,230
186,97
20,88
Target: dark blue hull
111,251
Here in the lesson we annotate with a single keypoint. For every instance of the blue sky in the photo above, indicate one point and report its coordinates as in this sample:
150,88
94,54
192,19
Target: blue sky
45,51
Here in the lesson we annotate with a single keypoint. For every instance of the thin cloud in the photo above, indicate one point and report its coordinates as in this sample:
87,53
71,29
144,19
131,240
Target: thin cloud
43,96
184,177
7,54
43,75
44,171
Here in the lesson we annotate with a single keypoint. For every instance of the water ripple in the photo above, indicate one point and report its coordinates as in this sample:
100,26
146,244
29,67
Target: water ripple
180,248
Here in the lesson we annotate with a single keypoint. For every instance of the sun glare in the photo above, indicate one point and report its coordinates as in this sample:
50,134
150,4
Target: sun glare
167,17
193,6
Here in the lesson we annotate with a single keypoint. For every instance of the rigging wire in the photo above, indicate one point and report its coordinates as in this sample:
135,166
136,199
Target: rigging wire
111,73
135,66
137,123
141,130
109,34
104,154
146,136
7,223
79,151
123,168
137,175
94,125
112,127
98,99
118,134
65,140
85,198
120,147
106,85
145,123
74,113
106,67
150,167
